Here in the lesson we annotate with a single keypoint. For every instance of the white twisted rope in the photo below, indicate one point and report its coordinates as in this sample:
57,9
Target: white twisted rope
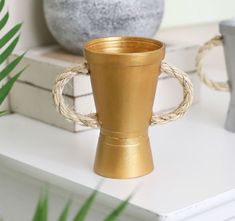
214,42
187,98
91,120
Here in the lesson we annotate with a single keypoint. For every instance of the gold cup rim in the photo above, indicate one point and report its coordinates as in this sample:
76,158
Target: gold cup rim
140,46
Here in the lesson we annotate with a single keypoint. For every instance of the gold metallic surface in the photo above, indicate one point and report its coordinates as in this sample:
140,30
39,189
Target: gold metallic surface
124,73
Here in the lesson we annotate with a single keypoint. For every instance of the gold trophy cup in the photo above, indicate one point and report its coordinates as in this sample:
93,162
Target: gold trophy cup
124,73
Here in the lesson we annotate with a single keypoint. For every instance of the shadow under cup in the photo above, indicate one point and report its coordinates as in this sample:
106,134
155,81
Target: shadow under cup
124,74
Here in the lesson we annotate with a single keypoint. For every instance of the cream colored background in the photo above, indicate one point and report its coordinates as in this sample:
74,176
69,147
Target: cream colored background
34,30
187,12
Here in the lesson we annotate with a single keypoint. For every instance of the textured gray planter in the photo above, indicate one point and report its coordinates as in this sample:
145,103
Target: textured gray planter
73,22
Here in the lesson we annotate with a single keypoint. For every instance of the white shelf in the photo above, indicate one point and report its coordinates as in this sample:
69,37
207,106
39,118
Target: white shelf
194,157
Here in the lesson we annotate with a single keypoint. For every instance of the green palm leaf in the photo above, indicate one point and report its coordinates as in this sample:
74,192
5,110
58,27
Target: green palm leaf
116,213
10,46
41,211
5,89
82,213
9,35
2,3
4,20
7,52
1,114
10,67
65,212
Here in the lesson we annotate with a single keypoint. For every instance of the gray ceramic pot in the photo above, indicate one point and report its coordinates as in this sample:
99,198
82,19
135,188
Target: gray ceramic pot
73,22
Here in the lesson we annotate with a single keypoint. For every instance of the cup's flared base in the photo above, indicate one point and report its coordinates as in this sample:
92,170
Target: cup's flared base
123,158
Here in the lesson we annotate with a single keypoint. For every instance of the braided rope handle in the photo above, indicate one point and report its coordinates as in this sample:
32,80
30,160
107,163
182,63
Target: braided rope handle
214,42
183,107
90,120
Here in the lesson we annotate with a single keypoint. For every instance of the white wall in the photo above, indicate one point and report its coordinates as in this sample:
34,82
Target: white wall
187,12
34,30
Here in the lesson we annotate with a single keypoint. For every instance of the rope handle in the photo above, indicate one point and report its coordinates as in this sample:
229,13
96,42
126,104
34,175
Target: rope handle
183,107
214,42
90,120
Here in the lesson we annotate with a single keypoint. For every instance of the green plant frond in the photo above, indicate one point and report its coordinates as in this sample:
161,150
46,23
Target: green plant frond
9,40
38,211
9,35
2,3
4,20
45,208
116,212
65,212
2,113
41,211
7,52
5,89
82,213
10,67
